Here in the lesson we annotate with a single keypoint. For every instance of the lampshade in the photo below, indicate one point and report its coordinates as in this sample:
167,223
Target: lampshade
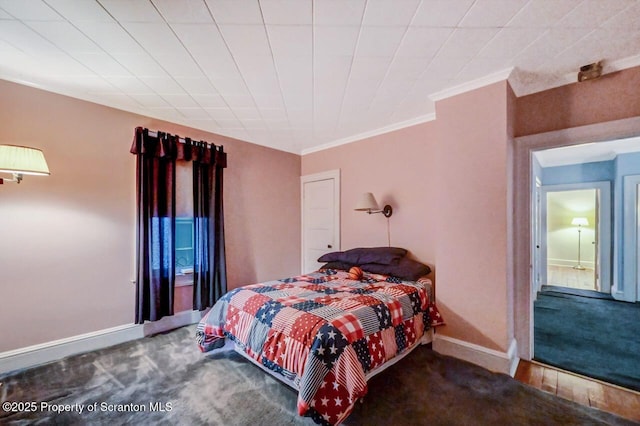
580,221
367,202
22,160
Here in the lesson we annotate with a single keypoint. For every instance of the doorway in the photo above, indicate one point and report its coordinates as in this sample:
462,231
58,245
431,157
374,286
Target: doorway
573,250
572,238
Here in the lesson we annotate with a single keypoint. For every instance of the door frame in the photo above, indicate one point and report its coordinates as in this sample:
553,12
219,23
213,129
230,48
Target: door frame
628,288
603,213
520,219
315,177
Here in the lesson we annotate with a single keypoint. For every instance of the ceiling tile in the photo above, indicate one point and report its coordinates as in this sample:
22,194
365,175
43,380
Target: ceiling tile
235,12
154,37
229,85
286,12
379,41
163,85
289,40
547,46
246,40
65,36
209,101
423,42
491,13
509,42
201,38
196,85
132,10
74,10
592,13
223,113
628,19
396,13
446,66
230,123
194,113
338,12
111,37
101,63
335,40
247,113
24,38
268,101
179,100
149,100
441,13
30,10
183,11
467,41
179,65
238,101
141,65
131,85
542,13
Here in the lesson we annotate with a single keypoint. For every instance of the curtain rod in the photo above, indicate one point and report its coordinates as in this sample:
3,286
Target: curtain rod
154,133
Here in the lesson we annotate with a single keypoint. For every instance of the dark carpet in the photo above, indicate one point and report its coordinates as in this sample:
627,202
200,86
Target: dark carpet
594,337
167,371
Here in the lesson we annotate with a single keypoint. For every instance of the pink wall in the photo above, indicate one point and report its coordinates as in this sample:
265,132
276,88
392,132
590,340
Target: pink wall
447,182
398,168
67,240
471,215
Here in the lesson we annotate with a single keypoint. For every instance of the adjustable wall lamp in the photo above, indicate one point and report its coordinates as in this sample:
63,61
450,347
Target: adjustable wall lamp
21,160
367,203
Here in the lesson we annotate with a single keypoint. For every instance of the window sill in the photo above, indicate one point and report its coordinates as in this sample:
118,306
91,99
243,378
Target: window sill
183,280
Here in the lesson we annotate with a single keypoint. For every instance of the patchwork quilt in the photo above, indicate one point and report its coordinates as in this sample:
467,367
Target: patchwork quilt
323,332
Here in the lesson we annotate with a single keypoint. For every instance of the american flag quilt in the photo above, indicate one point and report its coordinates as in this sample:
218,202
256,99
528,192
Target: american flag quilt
323,332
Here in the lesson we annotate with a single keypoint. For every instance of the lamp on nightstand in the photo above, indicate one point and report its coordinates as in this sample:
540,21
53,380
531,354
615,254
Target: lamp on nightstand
579,222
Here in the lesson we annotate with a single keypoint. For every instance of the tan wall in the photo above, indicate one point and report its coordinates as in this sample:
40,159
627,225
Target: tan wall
447,183
611,97
398,168
471,206
67,240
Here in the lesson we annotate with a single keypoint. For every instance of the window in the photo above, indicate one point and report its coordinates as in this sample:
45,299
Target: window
184,245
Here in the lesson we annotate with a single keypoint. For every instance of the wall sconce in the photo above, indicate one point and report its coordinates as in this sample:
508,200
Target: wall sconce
368,203
21,160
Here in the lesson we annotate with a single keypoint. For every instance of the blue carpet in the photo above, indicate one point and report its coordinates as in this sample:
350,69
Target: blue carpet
598,338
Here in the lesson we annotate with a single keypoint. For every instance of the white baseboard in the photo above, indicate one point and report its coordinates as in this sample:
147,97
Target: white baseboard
502,362
31,356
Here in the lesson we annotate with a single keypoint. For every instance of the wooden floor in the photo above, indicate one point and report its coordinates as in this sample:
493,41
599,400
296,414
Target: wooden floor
566,276
592,393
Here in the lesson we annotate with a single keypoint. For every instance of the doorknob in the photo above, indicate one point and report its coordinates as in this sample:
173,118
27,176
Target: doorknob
329,246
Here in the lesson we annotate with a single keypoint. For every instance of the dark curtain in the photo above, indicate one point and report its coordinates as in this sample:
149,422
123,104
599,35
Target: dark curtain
156,163
156,198
209,270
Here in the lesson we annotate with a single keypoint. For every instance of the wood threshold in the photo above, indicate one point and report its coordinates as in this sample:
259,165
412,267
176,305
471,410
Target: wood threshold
580,389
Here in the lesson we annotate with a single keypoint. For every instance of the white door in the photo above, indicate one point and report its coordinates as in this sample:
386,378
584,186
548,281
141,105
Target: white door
320,217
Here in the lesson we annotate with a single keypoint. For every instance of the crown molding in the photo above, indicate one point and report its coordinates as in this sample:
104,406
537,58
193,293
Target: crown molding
472,85
376,132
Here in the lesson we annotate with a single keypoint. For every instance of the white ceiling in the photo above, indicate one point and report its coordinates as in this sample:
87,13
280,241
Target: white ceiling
298,75
587,153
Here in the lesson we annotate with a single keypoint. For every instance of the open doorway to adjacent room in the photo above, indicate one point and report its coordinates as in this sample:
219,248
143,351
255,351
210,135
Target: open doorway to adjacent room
585,223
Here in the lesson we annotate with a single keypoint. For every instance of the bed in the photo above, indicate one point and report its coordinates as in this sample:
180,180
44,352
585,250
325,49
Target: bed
324,333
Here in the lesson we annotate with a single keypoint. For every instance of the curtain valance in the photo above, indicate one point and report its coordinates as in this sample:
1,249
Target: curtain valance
166,145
